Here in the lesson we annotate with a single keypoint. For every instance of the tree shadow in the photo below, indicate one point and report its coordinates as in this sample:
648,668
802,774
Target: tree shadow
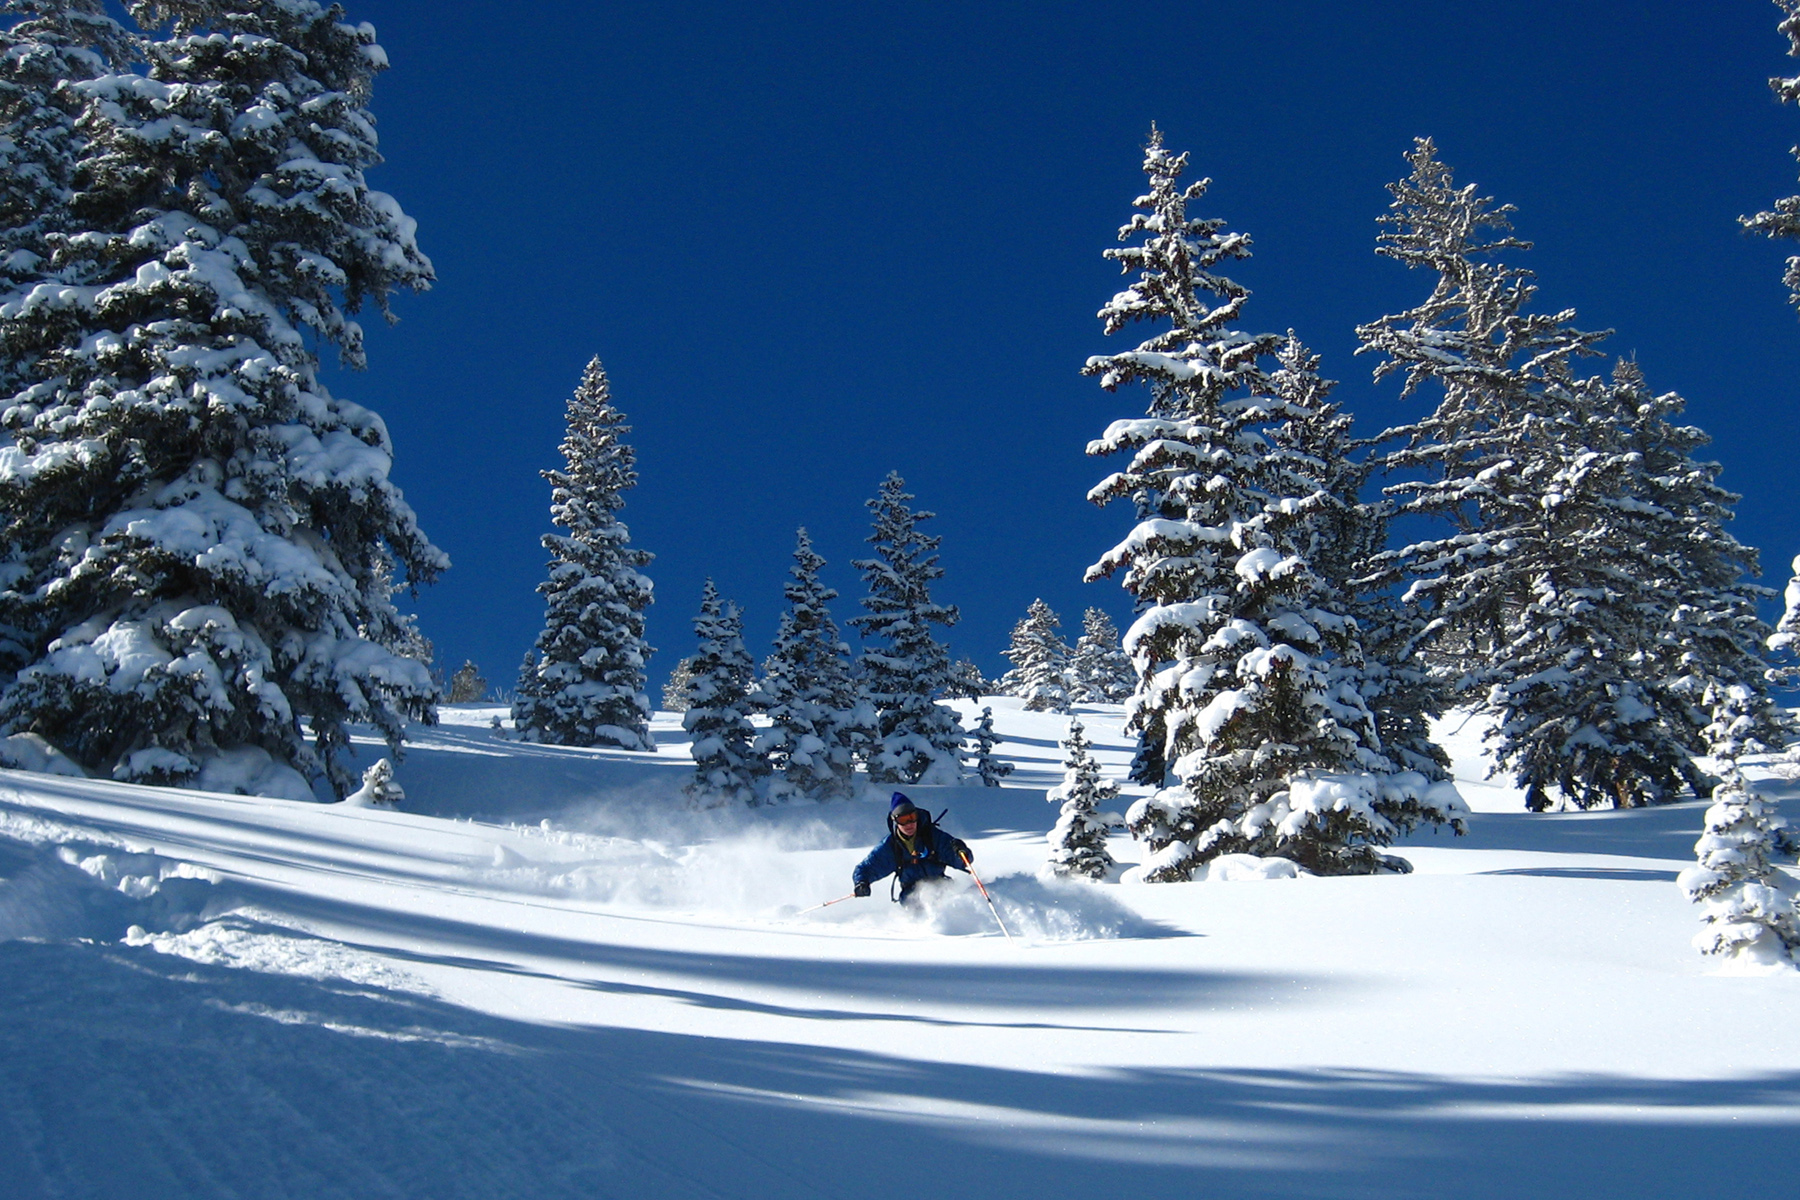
1667,832
882,988
1622,874
127,1073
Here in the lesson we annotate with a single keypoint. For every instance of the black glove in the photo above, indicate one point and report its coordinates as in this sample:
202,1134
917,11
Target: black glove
962,849
862,889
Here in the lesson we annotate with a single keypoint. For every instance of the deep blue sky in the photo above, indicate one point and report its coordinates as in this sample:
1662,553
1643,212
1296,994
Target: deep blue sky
816,242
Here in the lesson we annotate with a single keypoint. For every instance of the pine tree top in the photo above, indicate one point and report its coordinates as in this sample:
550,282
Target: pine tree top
1472,334
810,663
1097,624
803,588
1198,358
1783,221
906,563
1433,223
1788,89
599,467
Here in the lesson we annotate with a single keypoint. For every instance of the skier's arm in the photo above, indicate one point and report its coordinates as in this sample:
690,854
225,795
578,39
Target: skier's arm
954,851
878,864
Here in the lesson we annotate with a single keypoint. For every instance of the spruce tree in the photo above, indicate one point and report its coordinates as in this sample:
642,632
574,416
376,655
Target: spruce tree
1341,536
1242,648
1783,221
727,767
1487,454
677,694
966,681
1570,580
403,635
1787,631
467,686
527,684
1099,671
904,668
1751,918
1078,842
590,672
1040,658
1784,643
1704,596
808,693
1199,353
49,49
201,540
989,767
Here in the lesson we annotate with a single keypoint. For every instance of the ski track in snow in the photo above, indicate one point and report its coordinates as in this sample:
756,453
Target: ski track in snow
548,979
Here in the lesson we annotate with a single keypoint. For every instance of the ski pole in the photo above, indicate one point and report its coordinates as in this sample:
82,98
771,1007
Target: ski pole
827,904
970,867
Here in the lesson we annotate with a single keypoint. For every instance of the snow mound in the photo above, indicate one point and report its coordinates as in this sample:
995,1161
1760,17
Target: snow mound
1232,868
251,771
31,752
243,941
50,893
1227,868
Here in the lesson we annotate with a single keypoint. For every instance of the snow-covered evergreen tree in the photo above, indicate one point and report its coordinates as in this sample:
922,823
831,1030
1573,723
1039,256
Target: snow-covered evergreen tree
966,681
527,684
904,668
988,766
1787,633
1078,842
48,49
1705,595
1341,536
200,539
1574,642
1198,353
467,686
1569,580
1099,670
402,634
727,767
1489,454
590,685
1040,659
1750,918
1784,646
1747,905
1783,221
378,790
1241,648
815,714
1691,596
1398,684
677,694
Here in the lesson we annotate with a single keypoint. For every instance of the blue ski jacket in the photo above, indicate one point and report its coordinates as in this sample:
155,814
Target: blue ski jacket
930,852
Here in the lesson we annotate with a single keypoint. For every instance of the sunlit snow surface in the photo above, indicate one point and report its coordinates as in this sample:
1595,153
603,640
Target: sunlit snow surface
549,978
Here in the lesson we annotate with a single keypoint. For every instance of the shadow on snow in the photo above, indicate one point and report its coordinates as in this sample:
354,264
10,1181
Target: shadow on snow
124,1072
127,1072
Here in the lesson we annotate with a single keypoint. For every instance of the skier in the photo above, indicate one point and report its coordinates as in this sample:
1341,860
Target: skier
914,850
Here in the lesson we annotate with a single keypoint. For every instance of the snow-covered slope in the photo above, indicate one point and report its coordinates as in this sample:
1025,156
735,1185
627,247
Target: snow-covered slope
547,978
